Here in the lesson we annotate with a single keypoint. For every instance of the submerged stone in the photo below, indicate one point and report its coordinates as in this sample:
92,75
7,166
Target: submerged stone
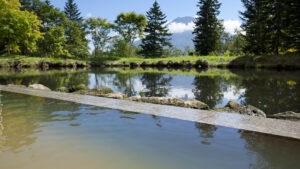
196,104
77,88
289,115
235,107
94,92
62,89
115,95
39,87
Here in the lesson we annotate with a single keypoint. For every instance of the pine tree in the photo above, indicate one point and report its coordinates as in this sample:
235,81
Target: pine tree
255,20
207,31
156,33
292,24
72,11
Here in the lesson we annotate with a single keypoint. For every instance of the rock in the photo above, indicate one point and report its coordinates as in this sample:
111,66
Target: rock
289,115
195,104
221,109
39,87
135,98
13,85
62,89
45,64
235,107
17,64
161,63
77,88
144,64
170,64
94,92
133,65
115,95
201,64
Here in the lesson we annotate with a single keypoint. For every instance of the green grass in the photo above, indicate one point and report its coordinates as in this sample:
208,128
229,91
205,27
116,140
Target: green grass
28,59
210,59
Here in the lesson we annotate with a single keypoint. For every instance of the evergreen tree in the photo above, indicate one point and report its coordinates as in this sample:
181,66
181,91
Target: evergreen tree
208,28
75,31
156,33
72,11
255,20
292,24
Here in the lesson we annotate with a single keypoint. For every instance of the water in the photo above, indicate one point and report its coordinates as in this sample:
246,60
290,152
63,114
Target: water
43,133
270,90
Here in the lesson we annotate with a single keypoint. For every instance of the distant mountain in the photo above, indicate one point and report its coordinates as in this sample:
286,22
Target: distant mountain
184,20
183,36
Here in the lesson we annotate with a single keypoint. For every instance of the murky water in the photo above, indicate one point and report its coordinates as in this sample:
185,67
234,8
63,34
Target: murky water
42,133
270,90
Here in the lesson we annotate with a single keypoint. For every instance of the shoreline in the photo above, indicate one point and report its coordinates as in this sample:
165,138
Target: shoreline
187,62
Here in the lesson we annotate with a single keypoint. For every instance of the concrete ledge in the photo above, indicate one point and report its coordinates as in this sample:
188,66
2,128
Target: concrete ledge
257,124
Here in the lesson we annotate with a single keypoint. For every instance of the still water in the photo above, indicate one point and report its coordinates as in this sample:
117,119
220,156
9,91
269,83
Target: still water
39,133
270,90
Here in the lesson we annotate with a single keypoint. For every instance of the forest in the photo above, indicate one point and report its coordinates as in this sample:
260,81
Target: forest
37,28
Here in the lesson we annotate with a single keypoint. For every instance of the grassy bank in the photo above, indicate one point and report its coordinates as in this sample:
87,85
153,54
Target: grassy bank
212,60
283,62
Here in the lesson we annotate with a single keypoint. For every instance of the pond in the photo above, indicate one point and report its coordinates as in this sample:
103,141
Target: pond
43,133
270,90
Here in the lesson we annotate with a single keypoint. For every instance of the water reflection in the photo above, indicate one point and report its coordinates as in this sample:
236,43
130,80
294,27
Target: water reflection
206,131
35,126
270,151
156,84
271,91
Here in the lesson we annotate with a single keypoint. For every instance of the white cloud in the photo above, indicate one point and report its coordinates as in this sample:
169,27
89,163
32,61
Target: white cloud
89,15
231,25
181,27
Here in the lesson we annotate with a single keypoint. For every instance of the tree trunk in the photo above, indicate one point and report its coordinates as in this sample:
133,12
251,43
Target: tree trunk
8,46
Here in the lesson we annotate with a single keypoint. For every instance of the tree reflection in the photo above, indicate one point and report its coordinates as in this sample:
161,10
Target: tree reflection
208,89
206,132
271,151
52,79
157,84
273,94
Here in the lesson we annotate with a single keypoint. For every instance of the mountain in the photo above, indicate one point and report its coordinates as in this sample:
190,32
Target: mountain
182,29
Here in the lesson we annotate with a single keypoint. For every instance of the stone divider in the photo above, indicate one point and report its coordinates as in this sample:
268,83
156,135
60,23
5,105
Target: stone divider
257,124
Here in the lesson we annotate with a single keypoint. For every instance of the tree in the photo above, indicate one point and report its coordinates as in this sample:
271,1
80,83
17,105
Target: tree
100,30
255,24
130,26
207,27
72,11
18,27
53,43
156,33
75,31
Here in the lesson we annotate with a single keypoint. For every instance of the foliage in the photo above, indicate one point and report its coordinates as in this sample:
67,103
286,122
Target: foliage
18,28
130,26
53,43
99,29
208,28
233,44
156,33
72,12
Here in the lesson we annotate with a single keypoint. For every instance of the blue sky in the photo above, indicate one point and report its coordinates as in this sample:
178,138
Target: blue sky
172,8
